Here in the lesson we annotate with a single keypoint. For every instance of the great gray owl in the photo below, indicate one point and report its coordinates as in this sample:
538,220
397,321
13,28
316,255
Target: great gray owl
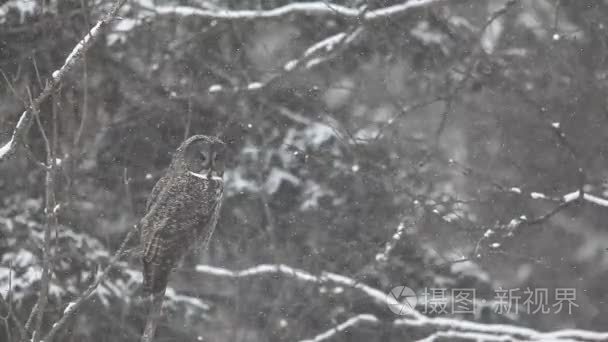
182,210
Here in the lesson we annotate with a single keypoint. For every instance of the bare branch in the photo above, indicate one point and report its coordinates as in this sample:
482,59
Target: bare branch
51,221
563,139
10,313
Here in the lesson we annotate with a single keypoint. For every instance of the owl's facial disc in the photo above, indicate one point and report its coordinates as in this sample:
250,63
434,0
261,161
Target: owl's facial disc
204,159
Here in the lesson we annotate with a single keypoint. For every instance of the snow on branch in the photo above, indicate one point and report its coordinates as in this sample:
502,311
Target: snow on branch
314,55
562,203
317,53
567,198
295,273
451,334
75,56
343,326
602,202
500,331
444,327
390,245
73,307
316,8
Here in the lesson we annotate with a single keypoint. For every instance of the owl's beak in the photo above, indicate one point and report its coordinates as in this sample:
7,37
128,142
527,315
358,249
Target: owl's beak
210,173
219,168
216,167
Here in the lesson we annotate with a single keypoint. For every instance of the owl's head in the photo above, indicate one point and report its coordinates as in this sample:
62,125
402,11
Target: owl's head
203,156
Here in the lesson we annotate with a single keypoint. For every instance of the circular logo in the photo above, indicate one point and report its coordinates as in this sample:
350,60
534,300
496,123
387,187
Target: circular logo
401,300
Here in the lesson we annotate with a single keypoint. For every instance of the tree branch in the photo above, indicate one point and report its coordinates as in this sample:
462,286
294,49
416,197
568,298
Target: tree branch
13,316
295,273
317,53
315,8
349,323
51,222
455,327
73,307
74,58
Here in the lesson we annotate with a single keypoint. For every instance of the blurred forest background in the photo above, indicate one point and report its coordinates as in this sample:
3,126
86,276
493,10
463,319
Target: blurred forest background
431,144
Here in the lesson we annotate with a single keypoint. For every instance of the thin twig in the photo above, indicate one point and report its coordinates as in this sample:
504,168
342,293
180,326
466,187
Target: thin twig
128,195
51,221
9,308
37,72
188,122
85,81
30,319
561,136
344,326
10,86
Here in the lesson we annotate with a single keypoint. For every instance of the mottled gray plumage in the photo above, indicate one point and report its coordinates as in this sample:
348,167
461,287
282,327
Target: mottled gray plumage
182,209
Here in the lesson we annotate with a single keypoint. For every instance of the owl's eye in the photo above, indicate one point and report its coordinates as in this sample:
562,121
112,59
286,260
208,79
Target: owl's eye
203,157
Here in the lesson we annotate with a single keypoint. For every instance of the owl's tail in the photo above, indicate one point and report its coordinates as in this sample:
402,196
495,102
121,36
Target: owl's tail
156,277
154,315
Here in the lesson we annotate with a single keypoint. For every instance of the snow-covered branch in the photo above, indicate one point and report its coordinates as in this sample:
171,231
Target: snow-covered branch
314,55
444,326
362,318
316,8
602,202
453,329
317,53
73,307
562,202
75,57
390,245
452,334
295,273
500,332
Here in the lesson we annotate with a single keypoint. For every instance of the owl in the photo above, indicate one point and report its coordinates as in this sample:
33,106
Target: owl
182,209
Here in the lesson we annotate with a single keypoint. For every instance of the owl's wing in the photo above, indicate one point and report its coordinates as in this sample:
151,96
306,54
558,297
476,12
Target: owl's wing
156,190
161,255
178,213
181,235
164,246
